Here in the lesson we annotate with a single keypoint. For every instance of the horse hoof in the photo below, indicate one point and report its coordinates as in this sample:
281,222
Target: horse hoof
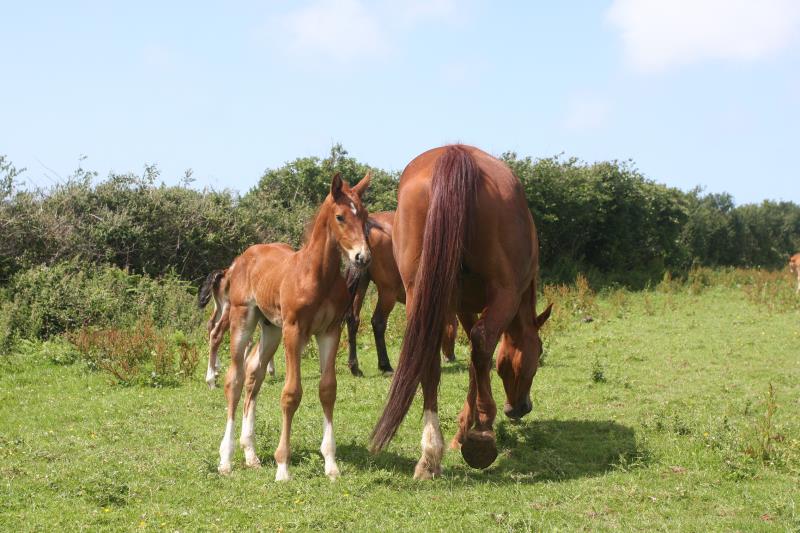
224,470
423,473
356,372
479,449
387,373
253,462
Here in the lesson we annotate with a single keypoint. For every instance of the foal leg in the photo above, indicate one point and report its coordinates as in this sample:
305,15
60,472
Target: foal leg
217,326
327,343
243,321
386,300
254,377
293,343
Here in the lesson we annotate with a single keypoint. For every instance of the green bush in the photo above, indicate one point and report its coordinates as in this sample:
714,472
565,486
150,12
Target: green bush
49,300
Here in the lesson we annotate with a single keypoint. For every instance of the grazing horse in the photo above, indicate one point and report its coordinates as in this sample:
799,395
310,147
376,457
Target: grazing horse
294,295
216,286
382,271
794,266
464,241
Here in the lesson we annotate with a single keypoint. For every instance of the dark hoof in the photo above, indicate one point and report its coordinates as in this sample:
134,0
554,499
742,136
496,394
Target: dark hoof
388,373
479,449
450,359
356,372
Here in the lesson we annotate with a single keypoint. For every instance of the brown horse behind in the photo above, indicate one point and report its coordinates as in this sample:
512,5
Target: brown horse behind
794,266
382,271
464,241
294,295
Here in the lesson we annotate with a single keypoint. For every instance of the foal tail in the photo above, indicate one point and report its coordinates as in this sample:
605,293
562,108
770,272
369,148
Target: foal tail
447,230
210,286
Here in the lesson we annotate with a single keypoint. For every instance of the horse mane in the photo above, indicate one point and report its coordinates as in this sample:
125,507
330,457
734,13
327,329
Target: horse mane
454,186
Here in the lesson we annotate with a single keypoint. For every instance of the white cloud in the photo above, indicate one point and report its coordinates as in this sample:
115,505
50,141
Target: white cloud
346,30
336,29
662,34
586,112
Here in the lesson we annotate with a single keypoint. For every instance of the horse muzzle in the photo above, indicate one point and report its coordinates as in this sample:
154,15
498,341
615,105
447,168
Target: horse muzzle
516,412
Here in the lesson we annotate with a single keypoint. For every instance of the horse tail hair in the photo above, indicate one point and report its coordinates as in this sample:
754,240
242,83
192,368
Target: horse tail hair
209,287
447,231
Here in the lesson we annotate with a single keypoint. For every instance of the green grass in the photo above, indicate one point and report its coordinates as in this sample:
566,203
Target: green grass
675,436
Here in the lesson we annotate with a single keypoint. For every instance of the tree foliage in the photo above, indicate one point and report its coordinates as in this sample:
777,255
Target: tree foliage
604,219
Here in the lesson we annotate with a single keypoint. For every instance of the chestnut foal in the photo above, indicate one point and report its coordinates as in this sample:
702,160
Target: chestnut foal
296,294
794,266
382,271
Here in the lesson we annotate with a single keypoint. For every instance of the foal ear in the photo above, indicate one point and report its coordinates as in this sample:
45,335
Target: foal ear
337,186
541,319
362,185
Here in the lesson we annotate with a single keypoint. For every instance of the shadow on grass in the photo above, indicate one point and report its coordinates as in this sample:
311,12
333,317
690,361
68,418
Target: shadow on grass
532,452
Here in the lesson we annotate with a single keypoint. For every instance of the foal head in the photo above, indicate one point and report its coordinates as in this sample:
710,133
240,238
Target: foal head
517,367
348,218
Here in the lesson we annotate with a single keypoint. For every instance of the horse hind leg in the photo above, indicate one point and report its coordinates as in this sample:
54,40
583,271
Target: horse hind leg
218,324
243,321
254,377
449,339
328,344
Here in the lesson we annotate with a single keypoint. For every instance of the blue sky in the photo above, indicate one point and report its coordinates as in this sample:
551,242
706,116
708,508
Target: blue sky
702,92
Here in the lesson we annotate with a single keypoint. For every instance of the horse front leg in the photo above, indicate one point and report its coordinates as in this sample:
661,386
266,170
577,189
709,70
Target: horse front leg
478,445
328,343
380,318
293,343
353,322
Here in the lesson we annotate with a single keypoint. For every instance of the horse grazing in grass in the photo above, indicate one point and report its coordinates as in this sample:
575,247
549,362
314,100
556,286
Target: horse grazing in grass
216,286
294,295
464,241
794,266
382,271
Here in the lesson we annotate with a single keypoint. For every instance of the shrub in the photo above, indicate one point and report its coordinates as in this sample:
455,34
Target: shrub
141,354
49,300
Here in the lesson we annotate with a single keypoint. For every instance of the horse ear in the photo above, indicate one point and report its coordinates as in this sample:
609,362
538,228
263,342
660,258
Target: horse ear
541,319
362,185
337,186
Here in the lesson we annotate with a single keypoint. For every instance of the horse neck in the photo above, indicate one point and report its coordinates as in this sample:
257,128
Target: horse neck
321,253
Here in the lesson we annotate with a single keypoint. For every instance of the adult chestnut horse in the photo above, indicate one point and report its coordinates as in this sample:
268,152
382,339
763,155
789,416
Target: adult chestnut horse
298,294
794,266
382,271
464,240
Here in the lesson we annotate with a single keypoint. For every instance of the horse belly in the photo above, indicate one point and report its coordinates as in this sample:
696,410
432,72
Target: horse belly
323,318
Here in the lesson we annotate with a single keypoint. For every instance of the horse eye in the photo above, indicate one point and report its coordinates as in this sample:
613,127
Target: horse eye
340,218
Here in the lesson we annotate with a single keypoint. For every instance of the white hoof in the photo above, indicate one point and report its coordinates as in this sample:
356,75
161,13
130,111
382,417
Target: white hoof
252,460
211,379
224,469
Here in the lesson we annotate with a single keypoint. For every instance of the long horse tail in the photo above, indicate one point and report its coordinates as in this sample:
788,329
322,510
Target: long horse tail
209,287
447,230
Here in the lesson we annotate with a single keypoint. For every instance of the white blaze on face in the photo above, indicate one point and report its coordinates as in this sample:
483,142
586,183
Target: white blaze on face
353,208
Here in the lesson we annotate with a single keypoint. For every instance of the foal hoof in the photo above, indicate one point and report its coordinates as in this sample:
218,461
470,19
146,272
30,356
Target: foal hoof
224,470
479,449
423,472
356,372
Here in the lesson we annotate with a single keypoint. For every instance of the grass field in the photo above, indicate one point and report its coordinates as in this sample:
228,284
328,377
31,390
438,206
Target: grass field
655,415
